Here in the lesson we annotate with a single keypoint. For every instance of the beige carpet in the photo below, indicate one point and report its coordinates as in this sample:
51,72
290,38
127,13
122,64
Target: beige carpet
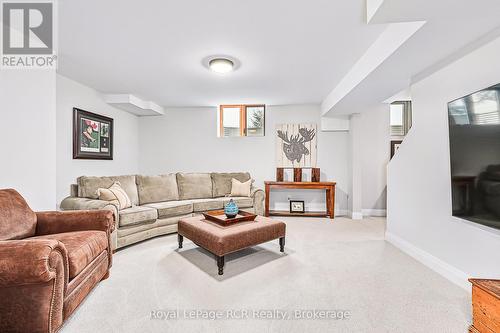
337,266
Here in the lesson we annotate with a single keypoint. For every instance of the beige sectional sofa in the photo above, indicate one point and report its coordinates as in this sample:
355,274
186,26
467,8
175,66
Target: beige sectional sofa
159,202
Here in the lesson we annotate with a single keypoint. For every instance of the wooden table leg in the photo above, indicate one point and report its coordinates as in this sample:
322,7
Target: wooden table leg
220,264
282,244
330,202
180,238
266,200
332,195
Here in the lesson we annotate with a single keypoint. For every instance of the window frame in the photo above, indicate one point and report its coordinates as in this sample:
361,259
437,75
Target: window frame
407,117
243,118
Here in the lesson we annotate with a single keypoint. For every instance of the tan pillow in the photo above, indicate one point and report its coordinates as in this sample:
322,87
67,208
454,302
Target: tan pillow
239,189
106,194
115,194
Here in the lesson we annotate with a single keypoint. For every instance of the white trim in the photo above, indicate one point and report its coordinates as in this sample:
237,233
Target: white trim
446,270
374,212
356,215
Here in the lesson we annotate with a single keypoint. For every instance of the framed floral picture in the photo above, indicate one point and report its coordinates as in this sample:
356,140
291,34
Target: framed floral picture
92,136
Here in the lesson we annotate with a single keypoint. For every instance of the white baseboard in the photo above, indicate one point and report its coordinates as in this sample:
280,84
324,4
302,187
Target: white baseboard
446,270
374,212
356,215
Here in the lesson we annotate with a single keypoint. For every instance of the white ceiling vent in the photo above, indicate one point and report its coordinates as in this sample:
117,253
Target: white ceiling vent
134,105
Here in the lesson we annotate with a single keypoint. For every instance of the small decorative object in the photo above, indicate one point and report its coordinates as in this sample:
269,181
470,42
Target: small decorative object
280,174
296,145
395,146
297,175
92,136
296,206
316,175
231,209
218,216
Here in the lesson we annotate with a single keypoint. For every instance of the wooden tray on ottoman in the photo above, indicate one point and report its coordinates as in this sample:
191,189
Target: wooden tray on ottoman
219,217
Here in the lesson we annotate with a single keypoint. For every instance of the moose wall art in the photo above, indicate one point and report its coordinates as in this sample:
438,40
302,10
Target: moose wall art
296,145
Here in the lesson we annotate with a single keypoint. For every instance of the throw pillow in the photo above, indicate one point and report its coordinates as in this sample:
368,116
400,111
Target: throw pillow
239,189
115,194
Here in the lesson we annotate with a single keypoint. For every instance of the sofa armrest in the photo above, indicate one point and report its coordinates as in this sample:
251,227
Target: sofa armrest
57,222
258,196
33,282
31,261
76,203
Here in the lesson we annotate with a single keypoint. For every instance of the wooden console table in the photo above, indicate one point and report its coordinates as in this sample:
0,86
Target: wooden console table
329,187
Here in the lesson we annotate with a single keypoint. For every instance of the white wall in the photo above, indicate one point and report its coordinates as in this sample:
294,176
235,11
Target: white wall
369,137
419,194
39,163
126,140
375,154
28,135
185,139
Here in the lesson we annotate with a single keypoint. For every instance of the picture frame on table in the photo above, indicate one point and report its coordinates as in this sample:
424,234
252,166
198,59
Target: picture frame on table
297,206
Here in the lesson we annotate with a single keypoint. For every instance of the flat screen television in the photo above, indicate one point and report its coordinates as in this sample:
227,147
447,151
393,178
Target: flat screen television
474,125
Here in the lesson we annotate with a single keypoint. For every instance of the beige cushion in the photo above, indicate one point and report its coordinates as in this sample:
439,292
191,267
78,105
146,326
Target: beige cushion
137,215
87,186
194,185
144,227
106,194
202,205
241,202
115,194
240,189
157,188
172,208
222,182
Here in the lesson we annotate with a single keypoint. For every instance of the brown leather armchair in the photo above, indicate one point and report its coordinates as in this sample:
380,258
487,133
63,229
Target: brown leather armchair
49,262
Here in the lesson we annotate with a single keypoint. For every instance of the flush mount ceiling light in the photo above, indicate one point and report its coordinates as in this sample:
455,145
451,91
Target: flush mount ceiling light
221,65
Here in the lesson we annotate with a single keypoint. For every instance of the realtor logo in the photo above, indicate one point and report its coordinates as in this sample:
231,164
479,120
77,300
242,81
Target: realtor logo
28,35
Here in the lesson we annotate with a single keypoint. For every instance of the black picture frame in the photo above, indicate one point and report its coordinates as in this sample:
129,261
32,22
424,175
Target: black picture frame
297,211
92,136
394,146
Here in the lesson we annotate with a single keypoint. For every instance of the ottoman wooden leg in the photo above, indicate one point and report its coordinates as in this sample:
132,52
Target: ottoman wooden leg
220,264
282,244
180,238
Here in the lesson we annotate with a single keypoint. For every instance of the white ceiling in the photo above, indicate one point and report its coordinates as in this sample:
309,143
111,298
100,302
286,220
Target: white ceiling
291,51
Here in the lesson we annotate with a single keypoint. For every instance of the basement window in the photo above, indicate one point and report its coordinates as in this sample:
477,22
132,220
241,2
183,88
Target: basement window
401,118
241,120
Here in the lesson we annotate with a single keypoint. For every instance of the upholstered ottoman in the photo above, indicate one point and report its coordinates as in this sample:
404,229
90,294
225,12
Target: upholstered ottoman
221,240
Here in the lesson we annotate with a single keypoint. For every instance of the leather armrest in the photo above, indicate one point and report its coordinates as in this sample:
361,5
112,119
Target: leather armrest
31,261
33,281
57,222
